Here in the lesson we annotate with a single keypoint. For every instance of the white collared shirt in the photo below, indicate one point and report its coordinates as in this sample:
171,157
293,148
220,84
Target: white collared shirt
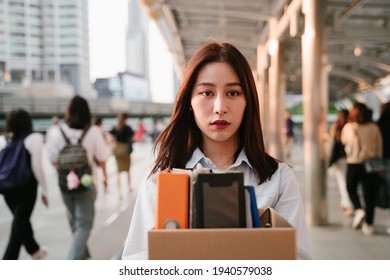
281,192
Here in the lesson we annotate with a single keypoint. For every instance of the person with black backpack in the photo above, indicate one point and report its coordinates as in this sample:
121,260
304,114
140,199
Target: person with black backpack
76,148
21,171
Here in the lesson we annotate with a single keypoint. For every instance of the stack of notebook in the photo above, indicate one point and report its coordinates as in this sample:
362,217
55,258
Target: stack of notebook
200,198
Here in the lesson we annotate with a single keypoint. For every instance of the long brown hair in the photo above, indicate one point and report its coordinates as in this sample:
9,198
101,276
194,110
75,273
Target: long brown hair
342,119
359,113
182,136
77,113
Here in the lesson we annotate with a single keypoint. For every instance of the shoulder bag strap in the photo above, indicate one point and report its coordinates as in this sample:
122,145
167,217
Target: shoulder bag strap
65,137
83,134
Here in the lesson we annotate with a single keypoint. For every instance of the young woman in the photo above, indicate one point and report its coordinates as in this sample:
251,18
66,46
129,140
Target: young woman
362,140
216,122
338,163
21,201
384,126
123,137
80,205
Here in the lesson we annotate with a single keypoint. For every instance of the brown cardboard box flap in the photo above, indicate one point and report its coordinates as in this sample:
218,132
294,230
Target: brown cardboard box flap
270,218
276,243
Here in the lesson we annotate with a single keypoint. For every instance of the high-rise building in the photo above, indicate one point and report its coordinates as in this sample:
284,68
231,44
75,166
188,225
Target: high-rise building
45,41
149,62
136,43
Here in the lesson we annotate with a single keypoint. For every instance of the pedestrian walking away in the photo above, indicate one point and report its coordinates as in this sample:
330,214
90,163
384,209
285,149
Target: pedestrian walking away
140,131
55,123
362,140
21,199
123,147
288,136
78,192
384,126
338,163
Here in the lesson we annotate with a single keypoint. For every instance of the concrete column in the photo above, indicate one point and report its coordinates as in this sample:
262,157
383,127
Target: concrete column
276,100
282,98
315,111
262,90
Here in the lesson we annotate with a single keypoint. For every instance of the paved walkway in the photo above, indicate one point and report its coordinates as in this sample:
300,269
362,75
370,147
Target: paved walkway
335,241
112,215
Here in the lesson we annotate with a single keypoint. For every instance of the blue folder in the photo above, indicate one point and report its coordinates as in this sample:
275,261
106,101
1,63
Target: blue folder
254,210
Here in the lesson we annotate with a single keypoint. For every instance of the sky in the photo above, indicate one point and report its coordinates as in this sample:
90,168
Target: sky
108,22
107,39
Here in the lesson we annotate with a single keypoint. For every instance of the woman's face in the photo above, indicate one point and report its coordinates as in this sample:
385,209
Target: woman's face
218,103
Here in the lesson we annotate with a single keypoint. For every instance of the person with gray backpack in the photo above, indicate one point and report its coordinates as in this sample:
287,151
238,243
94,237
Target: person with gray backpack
76,148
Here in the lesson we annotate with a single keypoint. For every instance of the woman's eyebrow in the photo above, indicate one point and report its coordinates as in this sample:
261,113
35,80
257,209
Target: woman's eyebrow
211,84
204,84
234,84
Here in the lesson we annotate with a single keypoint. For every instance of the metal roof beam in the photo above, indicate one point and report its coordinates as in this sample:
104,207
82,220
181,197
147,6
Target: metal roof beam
379,63
180,58
359,32
284,21
359,79
385,5
250,4
249,14
349,10
210,28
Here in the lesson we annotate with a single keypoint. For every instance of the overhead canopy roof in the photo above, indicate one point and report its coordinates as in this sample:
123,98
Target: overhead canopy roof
357,32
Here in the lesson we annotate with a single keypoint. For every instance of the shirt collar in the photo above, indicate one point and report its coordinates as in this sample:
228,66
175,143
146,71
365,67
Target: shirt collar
196,158
199,157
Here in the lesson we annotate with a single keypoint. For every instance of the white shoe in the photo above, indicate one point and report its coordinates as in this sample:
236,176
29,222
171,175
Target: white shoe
358,219
388,230
40,254
367,229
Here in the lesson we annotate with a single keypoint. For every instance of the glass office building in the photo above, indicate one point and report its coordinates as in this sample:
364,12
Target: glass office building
44,41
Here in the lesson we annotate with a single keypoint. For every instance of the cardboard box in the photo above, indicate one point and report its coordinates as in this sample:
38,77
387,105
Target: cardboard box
277,242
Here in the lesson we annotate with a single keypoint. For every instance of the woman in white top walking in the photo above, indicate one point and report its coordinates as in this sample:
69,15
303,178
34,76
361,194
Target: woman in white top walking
362,140
80,205
21,201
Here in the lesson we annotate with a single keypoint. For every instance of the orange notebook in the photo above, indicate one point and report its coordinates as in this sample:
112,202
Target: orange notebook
172,200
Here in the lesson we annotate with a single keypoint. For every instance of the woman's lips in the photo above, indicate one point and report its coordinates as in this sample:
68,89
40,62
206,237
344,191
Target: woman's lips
220,124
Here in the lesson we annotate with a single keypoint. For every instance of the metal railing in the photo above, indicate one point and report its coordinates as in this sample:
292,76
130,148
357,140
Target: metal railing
42,107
